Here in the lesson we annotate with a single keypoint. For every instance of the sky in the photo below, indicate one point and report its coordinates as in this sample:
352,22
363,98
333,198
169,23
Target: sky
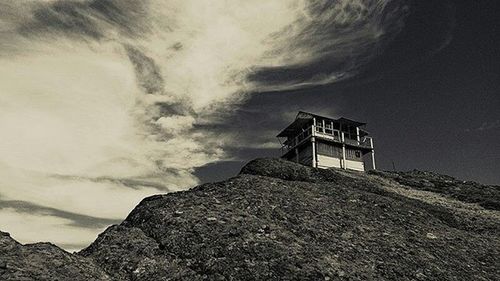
105,102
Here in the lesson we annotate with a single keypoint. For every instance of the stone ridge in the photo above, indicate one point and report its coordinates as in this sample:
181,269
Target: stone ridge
43,261
487,196
277,220
281,221
286,170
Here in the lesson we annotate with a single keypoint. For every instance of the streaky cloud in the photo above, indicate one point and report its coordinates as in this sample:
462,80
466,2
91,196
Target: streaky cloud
77,220
92,18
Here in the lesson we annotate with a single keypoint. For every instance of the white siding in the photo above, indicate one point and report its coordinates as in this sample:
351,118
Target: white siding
355,165
328,162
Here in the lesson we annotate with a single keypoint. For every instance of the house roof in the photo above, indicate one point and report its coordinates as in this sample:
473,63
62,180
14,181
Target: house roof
303,118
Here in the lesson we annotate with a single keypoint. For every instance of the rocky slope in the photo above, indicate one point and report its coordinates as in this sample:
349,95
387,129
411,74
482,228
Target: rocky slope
281,221
43,261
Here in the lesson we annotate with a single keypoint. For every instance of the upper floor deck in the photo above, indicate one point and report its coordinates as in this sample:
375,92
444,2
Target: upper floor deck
333,135
342,131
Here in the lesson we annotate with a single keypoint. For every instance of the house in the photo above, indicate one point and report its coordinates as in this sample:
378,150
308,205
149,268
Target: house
324,142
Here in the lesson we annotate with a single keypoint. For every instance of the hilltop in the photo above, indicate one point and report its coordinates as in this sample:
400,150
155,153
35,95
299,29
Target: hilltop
278,220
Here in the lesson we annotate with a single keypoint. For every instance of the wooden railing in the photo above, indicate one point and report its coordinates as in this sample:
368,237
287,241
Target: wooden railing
335,135
291,143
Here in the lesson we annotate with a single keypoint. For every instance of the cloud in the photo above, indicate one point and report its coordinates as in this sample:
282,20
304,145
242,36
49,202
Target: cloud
486,126
147,72
104,102
71,139
92,18
36,227
331,41
77,220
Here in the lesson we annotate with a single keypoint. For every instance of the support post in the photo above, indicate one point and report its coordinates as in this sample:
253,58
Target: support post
372,154
357,135
344,166
297,155
314,158
314,127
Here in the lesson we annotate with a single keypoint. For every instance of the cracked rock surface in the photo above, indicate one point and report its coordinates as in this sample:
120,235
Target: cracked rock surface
278,220
44,261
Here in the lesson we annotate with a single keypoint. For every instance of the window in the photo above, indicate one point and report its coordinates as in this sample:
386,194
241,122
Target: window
336,135
328,128
352,132
319,126
319,123
352,154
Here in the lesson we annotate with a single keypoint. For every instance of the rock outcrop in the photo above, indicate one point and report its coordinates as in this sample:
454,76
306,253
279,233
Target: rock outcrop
278,220
43,261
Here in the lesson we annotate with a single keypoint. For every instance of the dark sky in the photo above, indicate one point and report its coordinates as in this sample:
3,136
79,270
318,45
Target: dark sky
431,99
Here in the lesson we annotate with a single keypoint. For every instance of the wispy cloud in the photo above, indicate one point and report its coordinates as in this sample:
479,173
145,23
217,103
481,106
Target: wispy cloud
77,220
31,227
104,102
486,126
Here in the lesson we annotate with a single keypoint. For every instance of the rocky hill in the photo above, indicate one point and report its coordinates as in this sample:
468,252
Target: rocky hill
278,220
43,261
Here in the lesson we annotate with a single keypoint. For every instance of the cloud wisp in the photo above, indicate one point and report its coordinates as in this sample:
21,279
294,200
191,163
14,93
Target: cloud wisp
104,102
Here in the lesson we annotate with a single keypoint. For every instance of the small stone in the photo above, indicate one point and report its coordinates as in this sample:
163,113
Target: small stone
421,276
431,236
266,229
347,235
211,219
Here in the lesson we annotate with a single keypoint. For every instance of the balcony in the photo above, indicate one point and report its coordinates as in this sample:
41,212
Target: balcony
326,134
291,143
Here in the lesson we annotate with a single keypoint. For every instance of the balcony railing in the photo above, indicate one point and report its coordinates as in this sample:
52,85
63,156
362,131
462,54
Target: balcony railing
328,134
337,136
291,143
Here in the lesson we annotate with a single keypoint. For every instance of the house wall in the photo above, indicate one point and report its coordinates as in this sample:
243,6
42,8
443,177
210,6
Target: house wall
326,162
305,155
329,149
330,156
355,165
